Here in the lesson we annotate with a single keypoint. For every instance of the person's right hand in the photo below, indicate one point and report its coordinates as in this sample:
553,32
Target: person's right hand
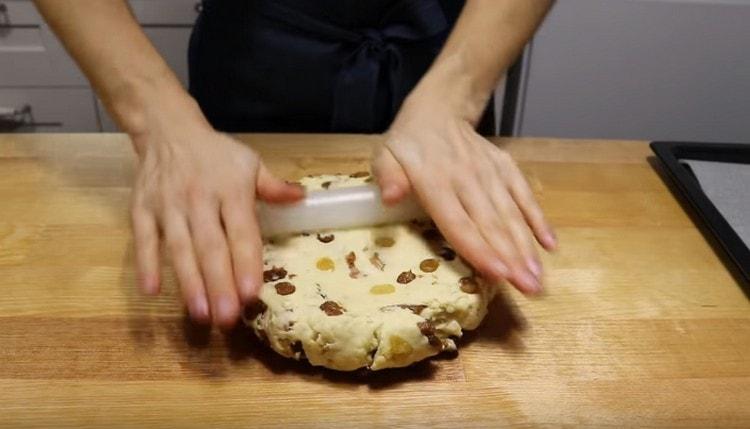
195,190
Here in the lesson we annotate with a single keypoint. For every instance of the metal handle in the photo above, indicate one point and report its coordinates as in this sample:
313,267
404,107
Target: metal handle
15,114
4,16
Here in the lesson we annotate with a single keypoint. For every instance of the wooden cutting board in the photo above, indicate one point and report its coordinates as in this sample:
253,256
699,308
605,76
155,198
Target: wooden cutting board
642,325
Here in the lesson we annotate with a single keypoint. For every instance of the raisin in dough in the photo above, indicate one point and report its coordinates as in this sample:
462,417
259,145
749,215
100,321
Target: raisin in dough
379,297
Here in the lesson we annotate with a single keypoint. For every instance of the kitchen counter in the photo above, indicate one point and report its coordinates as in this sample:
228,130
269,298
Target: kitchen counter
642,323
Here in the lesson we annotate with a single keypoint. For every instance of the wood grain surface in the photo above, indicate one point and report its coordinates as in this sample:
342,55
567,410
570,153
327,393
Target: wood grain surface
642,325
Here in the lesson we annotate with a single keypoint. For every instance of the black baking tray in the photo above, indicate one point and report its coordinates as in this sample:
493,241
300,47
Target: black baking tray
670,154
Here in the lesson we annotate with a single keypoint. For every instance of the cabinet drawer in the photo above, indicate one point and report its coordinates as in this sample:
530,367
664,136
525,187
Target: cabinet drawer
18,12
169,12
32,56
47,110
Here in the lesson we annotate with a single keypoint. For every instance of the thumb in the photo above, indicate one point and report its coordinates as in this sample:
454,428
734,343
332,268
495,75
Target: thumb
271,189
393,181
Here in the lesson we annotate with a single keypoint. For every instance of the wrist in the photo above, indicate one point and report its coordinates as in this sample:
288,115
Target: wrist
454,86
139,105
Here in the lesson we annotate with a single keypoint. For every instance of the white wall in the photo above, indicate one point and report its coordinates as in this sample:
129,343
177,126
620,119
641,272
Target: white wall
640,69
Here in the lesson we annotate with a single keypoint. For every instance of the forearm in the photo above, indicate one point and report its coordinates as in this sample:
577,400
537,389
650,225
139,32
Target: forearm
125,69
487,38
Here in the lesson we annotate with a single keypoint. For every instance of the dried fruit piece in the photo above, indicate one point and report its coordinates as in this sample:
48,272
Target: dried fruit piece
406,277
385,241
275,273
429,265
359,174
326,185
414,308
447,253
325,264
468,285
432,234
399,346
298,350
383,289
351,258
428,330
253,310
326,238
332,308
284,288
376,262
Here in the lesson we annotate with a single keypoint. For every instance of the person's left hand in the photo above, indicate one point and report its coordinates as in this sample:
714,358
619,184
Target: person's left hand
472,189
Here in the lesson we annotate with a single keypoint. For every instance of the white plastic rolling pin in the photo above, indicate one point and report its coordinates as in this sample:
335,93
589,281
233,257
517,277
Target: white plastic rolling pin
341,208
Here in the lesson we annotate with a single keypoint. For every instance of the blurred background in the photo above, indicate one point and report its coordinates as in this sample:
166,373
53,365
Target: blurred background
618,69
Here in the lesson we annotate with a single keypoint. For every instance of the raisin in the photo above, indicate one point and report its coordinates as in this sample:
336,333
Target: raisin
414,308
332,308
447,253
298,349
429,265
432,234
275,273
351,258
253,310
376,262
284,288
326,238
326,185
428,330
468,285
406,277
359,174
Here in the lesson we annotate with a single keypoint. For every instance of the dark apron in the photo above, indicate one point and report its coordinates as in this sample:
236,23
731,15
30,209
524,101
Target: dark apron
313,65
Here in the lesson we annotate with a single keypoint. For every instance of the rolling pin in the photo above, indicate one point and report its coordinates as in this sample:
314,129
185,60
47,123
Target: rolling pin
341,208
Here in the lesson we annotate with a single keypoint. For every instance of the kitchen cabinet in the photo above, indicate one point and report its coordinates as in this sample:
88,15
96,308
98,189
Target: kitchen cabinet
42,89
639,69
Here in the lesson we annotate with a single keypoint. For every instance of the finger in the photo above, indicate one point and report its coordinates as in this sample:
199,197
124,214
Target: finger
496,226
274,190
393,181
146,240
449,215
243,235
185,265
527,203
213,257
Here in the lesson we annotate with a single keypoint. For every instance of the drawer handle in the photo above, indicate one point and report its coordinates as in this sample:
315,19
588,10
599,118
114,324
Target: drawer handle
4,15
14,114
15,118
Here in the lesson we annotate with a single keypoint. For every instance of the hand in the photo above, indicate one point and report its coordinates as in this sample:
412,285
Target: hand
473,190
197,188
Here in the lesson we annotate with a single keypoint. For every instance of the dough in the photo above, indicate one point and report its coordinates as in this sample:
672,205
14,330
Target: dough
379,297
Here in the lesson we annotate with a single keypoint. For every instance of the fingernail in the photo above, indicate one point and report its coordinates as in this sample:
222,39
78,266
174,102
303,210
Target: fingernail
535,267
500,270
226,312
149,285
551,238
529,282
200,309
247,289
